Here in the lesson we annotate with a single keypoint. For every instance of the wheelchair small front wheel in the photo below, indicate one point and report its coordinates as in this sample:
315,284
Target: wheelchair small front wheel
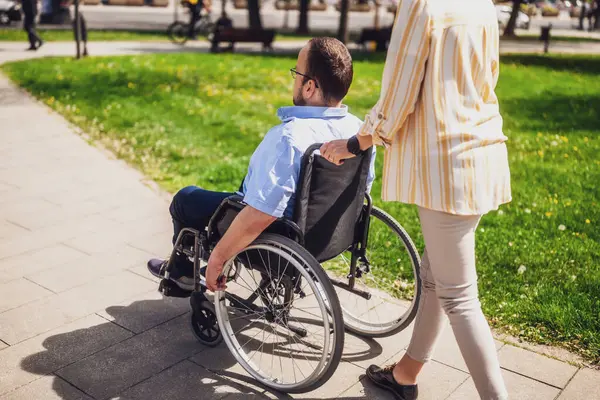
204,324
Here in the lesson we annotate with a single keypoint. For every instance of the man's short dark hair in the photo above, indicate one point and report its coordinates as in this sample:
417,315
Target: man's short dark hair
330,63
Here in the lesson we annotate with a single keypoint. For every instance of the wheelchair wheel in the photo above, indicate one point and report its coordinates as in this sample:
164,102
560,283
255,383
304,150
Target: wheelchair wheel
274,315
203,321
390,281
178,32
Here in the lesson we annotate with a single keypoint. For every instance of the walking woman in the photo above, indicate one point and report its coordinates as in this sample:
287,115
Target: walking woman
438,118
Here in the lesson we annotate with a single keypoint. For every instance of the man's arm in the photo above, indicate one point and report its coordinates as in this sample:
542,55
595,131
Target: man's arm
246,227
276,166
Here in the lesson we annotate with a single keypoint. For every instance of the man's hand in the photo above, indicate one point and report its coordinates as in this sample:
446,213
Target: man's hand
213,272
336,151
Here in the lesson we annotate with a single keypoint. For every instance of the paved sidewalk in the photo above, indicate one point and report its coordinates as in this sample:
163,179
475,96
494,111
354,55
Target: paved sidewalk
12,51
80,318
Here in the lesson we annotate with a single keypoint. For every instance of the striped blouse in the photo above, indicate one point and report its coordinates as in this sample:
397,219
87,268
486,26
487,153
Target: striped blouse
438,114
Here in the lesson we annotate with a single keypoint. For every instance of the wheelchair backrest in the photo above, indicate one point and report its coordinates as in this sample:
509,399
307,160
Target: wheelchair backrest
329,202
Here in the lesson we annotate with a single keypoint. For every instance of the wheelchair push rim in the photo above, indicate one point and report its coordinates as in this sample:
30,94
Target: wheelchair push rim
299,344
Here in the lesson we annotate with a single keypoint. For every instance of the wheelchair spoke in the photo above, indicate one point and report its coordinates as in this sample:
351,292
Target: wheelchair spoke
268,268
261,346
254,279
245,327
296,364
246,316
284,271
273,350
245,287
252,338
309,313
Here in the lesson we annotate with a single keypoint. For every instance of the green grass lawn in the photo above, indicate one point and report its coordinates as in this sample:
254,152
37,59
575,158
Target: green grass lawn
196,118
64,35
557,38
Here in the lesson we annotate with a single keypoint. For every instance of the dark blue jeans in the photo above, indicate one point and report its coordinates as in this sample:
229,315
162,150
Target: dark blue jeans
192,207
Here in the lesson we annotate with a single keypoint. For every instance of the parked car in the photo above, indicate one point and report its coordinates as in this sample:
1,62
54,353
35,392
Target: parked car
503,13
9,11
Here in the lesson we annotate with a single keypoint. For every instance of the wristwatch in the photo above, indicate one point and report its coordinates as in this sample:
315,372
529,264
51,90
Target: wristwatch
353,145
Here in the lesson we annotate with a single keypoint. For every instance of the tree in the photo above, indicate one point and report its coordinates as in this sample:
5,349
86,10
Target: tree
254,14
343,29
512,21
377,7
303,19
286,16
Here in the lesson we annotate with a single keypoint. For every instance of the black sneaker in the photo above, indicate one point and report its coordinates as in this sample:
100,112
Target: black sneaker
384,378
157,268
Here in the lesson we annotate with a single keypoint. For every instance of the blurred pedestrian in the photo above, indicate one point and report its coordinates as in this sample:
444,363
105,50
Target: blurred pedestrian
30,13
582,13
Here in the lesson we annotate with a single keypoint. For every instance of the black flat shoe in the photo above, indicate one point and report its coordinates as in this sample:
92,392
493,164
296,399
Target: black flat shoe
384,378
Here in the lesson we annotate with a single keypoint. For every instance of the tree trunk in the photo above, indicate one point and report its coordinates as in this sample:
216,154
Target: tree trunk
286,17
303,19
254,14
343,29
512,22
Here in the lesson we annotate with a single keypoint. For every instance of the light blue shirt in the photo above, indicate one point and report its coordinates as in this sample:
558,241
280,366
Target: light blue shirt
272,179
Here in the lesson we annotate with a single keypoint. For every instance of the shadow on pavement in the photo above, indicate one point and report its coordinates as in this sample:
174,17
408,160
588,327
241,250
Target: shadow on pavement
156,357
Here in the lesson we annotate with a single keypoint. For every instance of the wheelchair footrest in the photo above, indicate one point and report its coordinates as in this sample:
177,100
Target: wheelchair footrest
170,289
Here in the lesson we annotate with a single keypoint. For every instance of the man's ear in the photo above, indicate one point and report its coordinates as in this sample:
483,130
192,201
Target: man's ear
310,88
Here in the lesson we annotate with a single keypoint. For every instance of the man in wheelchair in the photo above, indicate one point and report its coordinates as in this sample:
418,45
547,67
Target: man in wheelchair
322,78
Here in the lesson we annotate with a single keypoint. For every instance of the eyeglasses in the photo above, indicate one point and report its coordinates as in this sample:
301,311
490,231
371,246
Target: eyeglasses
294,73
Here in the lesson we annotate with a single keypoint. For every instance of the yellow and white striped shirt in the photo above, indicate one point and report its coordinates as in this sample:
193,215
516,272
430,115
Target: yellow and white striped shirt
438,114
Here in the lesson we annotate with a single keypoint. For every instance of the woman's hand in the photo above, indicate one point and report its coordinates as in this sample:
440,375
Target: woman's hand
336,151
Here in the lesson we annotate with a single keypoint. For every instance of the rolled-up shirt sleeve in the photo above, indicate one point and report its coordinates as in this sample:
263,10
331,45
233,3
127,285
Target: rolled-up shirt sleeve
274,180
403,72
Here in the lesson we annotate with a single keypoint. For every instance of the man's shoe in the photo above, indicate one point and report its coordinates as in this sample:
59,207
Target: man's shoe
384,378
157,268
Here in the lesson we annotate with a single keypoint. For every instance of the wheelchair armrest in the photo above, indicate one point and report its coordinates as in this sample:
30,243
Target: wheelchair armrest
231,207
224,216
234,200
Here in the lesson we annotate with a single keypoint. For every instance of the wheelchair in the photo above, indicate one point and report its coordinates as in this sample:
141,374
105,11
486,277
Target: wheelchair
341,263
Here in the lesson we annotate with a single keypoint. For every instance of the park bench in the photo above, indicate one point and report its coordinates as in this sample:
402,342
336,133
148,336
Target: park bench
235,35
380,36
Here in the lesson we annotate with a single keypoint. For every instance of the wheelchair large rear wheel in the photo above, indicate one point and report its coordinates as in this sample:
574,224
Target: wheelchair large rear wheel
274,315
389,283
